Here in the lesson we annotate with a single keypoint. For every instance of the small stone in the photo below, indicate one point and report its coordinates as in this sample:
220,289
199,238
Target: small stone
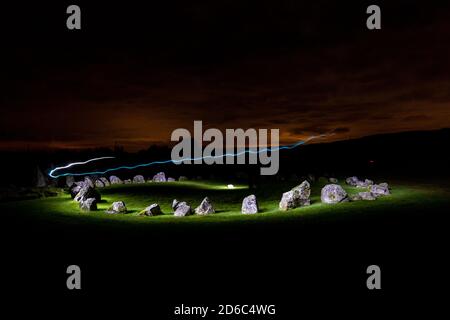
182,209
183,178
333,193
138,179
127,181
159,177
115,180
333,180
250,205
152,210
205,207
117,207
171,179
298,196
380,190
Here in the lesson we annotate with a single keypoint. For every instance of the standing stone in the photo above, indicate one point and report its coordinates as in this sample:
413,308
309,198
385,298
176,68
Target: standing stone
87,192
159,177
138,179
89,204
152,210
333,193
40,180
298,196
175,202
182,209
69,181
380,190
205,207
117,207
115,180
250,205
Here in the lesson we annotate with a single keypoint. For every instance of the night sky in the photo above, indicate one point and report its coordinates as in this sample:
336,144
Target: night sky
133,74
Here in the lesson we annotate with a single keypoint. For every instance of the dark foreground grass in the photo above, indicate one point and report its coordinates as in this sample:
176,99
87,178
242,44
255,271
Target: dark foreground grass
406,198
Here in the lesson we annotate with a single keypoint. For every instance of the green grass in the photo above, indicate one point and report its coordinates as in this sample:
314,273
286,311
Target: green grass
406,197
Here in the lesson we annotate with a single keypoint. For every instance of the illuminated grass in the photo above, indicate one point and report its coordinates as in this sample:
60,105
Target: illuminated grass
227,202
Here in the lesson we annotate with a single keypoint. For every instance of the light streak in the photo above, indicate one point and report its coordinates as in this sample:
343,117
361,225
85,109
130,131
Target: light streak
286,147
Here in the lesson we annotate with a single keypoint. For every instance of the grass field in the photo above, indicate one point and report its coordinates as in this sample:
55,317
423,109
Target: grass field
406,198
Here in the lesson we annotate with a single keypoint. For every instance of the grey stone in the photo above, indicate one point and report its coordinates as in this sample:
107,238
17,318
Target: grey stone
364,184
105,181
87,192
298,196
115,180
333,193
159,177
117,207
367,196
40,180
88,181
171,179
352,181
99,184
380,190
89,204
127,181
250,205
205,207
384,185
333,180
138,179
183,178
152,210
182,209
175,202
74,189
